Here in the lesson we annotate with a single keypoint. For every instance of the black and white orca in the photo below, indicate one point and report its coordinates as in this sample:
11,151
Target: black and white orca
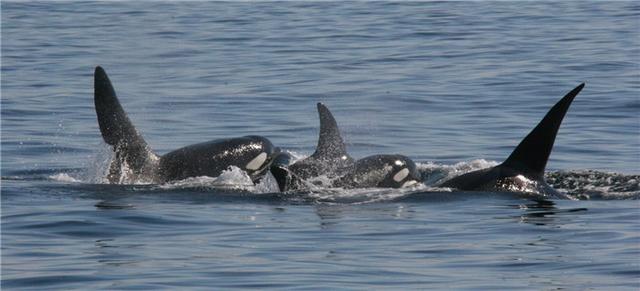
523,170
380,171
332,161
134,160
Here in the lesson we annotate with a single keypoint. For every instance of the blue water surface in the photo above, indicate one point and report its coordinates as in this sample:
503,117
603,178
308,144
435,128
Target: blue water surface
453,85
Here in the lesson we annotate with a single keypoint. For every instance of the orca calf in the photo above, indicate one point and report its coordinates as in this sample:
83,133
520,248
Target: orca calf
134,160
329,159
523,170
380,171
332,161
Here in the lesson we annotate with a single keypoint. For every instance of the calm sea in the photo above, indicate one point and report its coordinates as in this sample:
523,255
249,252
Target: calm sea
453,85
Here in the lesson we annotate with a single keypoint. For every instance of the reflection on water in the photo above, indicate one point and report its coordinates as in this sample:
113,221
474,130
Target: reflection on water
113,205
544,212
331,214
204,238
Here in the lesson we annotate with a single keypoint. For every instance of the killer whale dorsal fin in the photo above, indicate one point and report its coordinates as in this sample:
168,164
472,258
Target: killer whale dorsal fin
531,155
115,126
117,130
330,143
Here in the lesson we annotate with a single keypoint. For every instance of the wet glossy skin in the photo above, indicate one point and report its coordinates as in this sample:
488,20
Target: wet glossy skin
213,157
382,171
501,179
134,160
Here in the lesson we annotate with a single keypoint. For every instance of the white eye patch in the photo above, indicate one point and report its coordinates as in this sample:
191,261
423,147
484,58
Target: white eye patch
257,162
401,175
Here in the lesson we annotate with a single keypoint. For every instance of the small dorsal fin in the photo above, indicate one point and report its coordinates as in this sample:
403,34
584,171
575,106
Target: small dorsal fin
330,143
117,130
531,155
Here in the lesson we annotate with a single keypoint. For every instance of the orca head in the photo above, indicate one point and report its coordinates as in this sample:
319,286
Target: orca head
255,154
382,171
403,172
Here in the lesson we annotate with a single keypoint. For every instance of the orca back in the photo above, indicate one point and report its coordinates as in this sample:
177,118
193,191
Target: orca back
531,155
213,157
329,158
118,131
115,126
330,143
331,152
524,169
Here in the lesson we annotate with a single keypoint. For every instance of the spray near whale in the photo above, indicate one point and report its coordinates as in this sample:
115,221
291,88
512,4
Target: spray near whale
332,161
135,161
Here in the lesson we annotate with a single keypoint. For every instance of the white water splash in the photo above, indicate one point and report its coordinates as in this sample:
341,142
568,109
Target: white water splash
64,177
579,184
232,178
466,167
97,166
268,184
589,184
296,156
366,195
433,173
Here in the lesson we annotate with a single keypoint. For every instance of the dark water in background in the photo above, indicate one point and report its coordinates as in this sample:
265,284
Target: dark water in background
444,83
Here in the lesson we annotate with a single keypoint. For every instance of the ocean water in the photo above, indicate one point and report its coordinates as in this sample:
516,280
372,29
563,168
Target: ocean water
453,85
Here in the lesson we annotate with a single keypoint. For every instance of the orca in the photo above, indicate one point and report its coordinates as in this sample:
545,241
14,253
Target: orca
332,161
135,161
329,158
523,170
380,171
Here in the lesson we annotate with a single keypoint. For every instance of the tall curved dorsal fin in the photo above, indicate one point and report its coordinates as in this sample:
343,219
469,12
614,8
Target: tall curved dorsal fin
330,143
117,130
115,126
531,155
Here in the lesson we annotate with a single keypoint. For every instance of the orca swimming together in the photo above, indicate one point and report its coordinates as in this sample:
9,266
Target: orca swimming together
134,160
332,161
523,170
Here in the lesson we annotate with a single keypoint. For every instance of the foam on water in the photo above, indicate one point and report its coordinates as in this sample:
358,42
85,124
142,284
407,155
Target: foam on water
583,185
433,172
589,184
64,177
367,195
232,179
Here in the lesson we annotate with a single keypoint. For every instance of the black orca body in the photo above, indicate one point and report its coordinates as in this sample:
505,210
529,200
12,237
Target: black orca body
134,160
329,159
523,170
332,161
380,171
331,153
